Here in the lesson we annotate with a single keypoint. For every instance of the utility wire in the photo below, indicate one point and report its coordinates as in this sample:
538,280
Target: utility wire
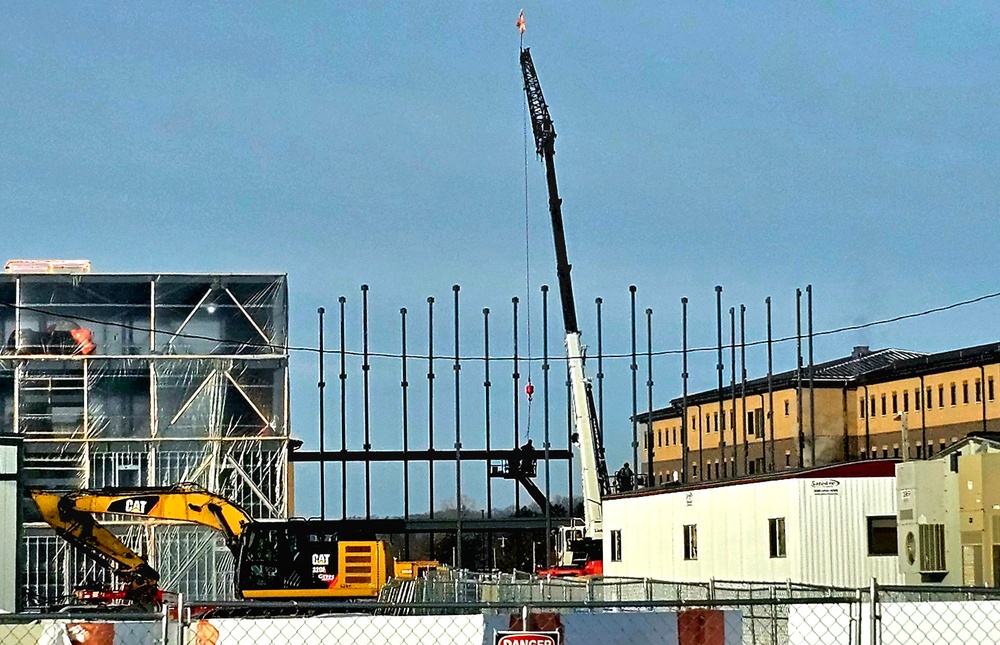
663,352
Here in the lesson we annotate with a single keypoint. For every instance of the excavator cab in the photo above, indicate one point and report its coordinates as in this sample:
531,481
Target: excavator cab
309,559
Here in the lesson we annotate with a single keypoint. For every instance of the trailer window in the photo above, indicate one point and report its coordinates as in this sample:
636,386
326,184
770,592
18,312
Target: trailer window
776,536
616,545
690,541
882,535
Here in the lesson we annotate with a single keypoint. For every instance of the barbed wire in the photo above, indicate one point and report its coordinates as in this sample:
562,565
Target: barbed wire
610,356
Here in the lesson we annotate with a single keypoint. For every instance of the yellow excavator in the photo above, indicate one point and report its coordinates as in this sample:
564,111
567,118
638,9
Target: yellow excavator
275,559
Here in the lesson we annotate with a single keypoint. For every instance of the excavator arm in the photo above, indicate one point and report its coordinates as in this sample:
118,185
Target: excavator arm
87,534
72,515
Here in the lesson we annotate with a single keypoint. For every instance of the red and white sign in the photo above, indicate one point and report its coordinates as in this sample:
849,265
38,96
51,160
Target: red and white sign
526,638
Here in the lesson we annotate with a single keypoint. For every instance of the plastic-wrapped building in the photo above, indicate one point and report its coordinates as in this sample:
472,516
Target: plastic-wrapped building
146,380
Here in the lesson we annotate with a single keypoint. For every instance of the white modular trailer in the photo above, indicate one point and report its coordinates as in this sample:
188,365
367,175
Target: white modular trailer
825,526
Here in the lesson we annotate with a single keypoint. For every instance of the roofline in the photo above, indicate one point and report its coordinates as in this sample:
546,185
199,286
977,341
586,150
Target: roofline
903,368
147,274
874,468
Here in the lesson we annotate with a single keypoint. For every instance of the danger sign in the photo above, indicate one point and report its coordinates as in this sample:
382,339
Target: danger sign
526,638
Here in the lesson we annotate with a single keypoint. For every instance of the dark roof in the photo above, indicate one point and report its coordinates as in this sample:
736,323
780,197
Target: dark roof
838,373
868,468
862,367
924,364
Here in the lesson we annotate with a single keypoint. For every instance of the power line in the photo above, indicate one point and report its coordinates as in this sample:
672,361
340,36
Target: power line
663,352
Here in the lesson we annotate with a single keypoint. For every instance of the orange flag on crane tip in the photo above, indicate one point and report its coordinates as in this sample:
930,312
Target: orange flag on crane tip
520,22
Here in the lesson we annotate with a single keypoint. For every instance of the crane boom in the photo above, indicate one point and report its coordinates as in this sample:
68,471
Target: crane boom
593,468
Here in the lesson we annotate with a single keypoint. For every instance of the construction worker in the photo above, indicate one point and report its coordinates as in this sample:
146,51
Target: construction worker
528,459
625,478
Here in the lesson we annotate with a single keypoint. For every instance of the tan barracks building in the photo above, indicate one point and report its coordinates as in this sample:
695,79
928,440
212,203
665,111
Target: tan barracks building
871,404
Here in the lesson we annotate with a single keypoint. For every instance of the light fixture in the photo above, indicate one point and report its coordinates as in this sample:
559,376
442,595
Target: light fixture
210,307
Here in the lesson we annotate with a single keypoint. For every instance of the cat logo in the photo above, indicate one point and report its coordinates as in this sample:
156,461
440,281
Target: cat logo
134,505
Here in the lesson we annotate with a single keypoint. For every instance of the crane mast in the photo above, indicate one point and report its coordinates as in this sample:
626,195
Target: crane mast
593,468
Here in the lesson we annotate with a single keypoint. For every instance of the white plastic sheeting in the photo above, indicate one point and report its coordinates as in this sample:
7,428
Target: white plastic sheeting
184,379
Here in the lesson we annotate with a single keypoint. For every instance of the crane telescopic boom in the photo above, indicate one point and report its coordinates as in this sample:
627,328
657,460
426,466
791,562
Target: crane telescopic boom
593,468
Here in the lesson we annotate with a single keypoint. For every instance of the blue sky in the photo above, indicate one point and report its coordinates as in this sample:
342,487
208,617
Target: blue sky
761,146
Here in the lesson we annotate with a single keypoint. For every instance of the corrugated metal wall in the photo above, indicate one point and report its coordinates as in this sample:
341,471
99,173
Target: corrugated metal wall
825,532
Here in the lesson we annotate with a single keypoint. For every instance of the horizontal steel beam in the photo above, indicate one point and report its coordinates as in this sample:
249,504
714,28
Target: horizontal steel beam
420,455
390,526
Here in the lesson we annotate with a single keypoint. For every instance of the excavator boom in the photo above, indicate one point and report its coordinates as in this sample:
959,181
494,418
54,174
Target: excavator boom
71,514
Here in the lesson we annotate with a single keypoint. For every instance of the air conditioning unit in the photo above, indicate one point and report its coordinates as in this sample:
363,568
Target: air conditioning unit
926,523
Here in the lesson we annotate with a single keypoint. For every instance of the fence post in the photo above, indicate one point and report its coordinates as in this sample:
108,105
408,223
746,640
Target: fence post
524,618
774,614
164,623
180,618
873,611
861,607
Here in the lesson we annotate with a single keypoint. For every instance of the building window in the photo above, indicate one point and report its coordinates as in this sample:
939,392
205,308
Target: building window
883,405
716,469
723,420
916,399
885,452
751,426
691,541
708,423
906,400
930,449
965,392
989,388
753,467
954,392
788,458
895,452
694,471
979,390
862,407
675,436
616,545
920,452
940,396
895,403
776,536
717,421
659,438
786,402
930,398
873,407
882,535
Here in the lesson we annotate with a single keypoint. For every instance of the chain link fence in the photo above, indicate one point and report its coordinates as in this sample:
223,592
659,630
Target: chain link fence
716,613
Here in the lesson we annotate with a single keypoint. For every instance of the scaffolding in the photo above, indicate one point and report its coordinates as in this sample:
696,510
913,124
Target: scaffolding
146,380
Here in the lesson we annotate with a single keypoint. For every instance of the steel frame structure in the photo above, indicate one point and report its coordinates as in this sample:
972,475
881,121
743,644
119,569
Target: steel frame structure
188,382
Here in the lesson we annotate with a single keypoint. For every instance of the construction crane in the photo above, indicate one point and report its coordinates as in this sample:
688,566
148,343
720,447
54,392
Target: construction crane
279,559
579,547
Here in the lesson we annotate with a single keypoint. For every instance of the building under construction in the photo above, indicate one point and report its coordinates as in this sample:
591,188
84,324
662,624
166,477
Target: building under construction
145,380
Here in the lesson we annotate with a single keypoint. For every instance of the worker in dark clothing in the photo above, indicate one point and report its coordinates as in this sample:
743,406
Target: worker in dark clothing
528,459
514,463
625,479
